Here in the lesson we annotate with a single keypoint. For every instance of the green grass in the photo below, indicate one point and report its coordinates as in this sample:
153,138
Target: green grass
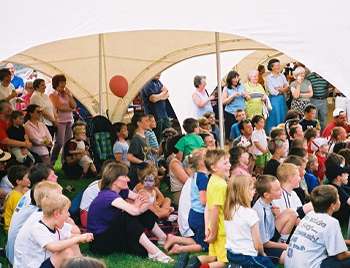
114,260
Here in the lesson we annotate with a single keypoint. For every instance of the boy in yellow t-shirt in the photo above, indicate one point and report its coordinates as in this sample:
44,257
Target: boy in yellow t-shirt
17,175
217,162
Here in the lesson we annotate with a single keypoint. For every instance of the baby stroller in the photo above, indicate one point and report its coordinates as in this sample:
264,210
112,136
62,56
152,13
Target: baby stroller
102,138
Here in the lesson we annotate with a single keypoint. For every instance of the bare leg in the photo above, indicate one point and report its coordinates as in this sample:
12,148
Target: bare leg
173,239
151,248
176,249
286,221
158,232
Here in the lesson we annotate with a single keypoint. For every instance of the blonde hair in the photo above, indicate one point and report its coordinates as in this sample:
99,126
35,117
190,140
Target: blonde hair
45,188
238,194
299,70
54,202
195,158
251,73
285,171
213,156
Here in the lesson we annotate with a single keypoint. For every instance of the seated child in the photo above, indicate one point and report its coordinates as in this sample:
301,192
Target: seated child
278,133
151,137
278,151
83,262
337,176
148,186
243,242
321,147
300,162
309,120
289,177
311,169
259,141
318,240
199,182
27,214
79,150
5,185
16,132
272,222
18,177
190,141
48,242
121,146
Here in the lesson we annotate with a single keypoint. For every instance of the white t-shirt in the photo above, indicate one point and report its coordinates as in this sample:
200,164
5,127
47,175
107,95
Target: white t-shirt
288,200
44,102
31,241
17,221
259,136
238,231
317,236
184,209
122,148
5,91
89,195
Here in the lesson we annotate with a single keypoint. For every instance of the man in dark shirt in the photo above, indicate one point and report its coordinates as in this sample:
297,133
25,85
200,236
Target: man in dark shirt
309,120
154,96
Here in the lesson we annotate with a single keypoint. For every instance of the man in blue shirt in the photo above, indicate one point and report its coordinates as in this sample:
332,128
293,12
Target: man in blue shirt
154,96
16,81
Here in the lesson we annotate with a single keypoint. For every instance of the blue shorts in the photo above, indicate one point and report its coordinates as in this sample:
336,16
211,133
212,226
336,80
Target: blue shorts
47,264
197,225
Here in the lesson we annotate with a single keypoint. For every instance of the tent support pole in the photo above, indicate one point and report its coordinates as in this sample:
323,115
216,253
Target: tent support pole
218,77
100,71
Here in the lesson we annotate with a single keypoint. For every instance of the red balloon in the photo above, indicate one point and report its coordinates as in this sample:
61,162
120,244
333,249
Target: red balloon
118,85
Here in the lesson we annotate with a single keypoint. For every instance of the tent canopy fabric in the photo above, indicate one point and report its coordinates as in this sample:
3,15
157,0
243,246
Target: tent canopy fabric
138,56
308,31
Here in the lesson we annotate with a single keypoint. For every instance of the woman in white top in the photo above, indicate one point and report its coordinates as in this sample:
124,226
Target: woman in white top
7,90
200,97
40,98
243,242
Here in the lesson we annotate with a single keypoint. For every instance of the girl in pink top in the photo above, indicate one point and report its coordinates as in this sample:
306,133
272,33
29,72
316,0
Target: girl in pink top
64,104
38,133
240,162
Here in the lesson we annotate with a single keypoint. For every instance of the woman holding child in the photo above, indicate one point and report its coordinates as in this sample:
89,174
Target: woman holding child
118,225
38,133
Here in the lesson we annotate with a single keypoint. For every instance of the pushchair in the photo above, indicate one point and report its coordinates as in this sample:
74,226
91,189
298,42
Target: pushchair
102,138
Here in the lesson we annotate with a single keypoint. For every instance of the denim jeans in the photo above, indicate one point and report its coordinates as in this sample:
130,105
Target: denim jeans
246,261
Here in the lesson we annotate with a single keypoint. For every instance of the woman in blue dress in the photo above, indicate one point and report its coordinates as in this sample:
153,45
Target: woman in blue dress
276,86
233,97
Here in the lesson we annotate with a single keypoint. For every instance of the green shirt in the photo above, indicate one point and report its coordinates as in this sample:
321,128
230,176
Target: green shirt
188,143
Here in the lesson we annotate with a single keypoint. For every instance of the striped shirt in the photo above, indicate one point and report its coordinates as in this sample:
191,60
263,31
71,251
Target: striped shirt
151,139
319,85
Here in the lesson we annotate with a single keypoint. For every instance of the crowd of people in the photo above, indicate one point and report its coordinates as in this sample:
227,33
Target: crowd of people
276,194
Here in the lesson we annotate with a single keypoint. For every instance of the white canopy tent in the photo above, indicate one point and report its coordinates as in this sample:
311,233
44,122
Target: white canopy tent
77,25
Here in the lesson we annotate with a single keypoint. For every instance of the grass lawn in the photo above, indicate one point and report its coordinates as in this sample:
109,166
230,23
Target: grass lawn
114,260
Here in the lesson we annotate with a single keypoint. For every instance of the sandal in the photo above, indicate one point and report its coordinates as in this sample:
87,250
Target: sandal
160,257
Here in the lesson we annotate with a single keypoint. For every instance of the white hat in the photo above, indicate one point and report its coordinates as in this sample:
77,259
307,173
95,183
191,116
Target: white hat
317,143
337,112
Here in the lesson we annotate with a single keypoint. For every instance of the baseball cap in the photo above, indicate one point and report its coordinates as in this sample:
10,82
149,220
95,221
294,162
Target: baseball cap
337,112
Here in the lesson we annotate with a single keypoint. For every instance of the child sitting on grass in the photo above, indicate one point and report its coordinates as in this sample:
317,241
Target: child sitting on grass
18,177
278,151
199,182
243,242
148,186
49,241
318,240
29,214
121,146
272,222
310,174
